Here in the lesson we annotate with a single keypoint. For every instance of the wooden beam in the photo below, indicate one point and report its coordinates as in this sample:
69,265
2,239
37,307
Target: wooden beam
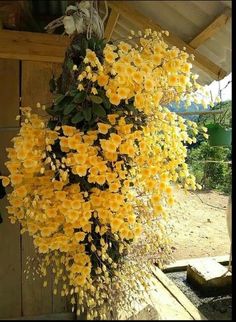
143,22
201,112
111,23
178,294
181,265
33,46
208,32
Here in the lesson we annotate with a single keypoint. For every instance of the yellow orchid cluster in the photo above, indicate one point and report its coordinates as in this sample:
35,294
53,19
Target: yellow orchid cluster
151,73
95,201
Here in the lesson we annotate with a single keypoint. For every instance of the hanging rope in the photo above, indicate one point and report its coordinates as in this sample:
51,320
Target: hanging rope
80,18
89,28
106,12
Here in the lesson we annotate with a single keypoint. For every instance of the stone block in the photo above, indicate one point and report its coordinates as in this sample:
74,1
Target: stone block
209,277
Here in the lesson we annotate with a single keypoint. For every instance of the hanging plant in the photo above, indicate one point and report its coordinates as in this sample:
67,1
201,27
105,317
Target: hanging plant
92,184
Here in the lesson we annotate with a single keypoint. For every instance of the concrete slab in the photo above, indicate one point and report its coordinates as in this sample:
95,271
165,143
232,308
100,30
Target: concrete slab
209,276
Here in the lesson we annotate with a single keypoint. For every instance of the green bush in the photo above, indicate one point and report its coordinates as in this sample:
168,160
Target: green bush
216,176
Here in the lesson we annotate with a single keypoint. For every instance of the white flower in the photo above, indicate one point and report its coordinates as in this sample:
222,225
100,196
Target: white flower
69,24
84,5
79,23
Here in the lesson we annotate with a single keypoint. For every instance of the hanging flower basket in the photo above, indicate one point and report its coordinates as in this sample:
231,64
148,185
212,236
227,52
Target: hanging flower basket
219,136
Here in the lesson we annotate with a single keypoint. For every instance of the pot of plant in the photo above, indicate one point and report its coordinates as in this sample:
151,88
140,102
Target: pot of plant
219,125
219,135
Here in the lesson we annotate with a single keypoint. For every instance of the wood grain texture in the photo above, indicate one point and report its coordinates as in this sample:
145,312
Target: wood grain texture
144,22
111,23
10,266
178,294
36,299
35,88
211,29
10,254
9,92
162,305
34,46
35,83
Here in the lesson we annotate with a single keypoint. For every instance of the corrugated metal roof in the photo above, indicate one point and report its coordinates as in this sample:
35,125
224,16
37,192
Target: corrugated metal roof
186,19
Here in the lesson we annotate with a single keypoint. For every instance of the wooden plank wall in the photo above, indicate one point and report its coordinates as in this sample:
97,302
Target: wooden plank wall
10,254
20,296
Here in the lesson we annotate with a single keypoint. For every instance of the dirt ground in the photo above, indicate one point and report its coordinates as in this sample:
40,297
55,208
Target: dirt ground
198,226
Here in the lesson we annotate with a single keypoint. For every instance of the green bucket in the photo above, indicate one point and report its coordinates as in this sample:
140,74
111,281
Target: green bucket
219,136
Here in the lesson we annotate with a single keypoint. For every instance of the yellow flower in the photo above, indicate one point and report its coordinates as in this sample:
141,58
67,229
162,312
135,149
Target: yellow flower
101,179
112,118
81,170
115,138
103,128
90,55
94,91
114,186
157,58
124,46
115,99
157,97
79,236
110,56
102,80
108,146
68,130
115,224
76,204
80,158
170,201
21,192
51,212
139,101
186,67
5,181
138,230
80,87
173,80
110,156
123,92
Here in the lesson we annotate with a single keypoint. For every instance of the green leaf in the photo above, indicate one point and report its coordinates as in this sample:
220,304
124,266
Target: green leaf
50,111
69,64
96,99
73,92
99,110
79,97
68,109
76,47
92,43
131,107
107,104
52,85
84,46
65,120
52,124
87,112
59,99
77,118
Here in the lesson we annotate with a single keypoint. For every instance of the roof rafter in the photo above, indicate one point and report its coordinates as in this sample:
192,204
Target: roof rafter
211,29
142,21
111,23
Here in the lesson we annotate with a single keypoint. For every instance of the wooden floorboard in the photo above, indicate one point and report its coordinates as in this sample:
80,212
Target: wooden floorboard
178,294
181,265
